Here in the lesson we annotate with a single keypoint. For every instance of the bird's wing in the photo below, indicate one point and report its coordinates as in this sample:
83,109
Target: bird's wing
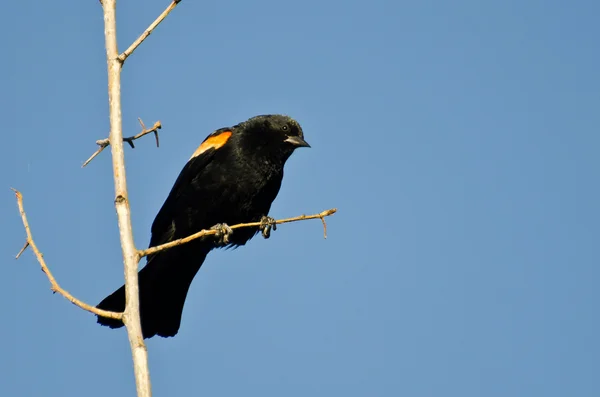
163,228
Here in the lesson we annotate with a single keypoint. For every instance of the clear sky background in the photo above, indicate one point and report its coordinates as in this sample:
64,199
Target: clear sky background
459,141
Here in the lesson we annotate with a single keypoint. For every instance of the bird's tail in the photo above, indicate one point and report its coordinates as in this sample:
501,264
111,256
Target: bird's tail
164,283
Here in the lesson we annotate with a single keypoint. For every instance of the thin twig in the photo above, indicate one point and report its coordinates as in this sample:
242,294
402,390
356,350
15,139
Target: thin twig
53,284
22,249
104,143
324,227
130,140
147,32
202,233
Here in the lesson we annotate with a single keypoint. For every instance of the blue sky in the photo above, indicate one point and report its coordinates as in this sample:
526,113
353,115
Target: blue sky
459,141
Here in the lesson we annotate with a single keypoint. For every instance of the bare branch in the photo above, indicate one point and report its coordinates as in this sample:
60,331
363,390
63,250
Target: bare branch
147,32
54,286
131,315
202,233
104,143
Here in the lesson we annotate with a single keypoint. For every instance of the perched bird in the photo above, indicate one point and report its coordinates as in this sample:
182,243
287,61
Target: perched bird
233,177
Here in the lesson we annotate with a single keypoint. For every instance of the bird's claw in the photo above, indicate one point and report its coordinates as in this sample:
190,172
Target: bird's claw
223,232
266,224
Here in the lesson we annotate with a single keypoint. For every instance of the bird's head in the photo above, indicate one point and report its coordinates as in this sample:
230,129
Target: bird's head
273,132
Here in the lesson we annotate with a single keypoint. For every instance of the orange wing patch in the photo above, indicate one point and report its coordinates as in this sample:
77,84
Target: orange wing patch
213,142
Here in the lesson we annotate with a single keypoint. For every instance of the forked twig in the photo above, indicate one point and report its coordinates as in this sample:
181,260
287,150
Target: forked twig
202,233
54,286
104,143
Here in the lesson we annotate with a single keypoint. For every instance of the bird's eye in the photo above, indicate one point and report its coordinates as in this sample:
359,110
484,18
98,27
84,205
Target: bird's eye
285,128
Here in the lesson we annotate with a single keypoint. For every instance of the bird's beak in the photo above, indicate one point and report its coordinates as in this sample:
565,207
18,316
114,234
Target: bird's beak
297,141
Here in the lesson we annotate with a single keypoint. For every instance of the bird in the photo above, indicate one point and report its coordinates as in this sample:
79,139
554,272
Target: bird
232,177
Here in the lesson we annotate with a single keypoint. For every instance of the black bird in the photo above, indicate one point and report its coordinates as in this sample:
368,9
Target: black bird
233,177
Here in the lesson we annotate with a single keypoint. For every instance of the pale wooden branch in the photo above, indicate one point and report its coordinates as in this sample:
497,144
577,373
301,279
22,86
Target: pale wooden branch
205,232
103,143
148,31
54,286
131,315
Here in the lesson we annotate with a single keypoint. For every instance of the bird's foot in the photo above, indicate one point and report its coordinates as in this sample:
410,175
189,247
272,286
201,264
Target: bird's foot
266,224
223,233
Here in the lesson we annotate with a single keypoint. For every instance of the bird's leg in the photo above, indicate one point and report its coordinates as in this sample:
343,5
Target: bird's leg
223,233
266,224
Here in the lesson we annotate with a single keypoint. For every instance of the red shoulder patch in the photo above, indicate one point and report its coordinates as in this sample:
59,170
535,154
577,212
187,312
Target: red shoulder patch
212,142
